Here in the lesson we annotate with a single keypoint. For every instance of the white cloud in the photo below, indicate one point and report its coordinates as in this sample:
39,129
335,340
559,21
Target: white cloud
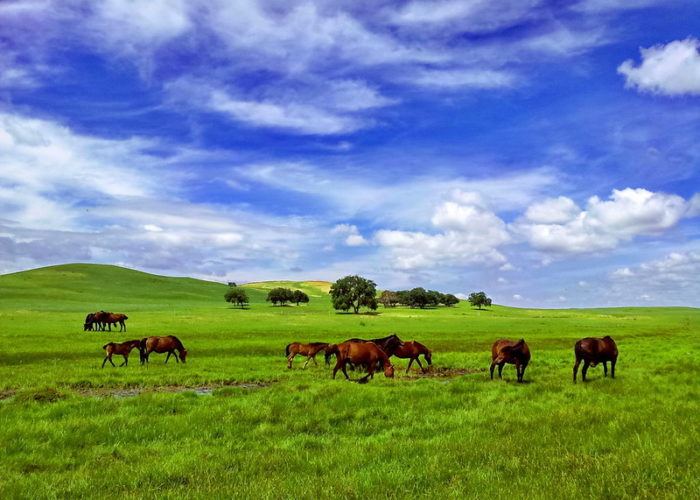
462,78
471,235
553,211
517,297
353,238
671,69
604,224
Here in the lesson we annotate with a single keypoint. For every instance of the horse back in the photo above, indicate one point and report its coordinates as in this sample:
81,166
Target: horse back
596,349
503,349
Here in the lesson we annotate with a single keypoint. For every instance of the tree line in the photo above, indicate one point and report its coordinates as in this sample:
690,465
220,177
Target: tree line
355,292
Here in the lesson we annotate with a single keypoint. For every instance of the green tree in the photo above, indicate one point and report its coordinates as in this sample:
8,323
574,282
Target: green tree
435,298
450,300
353,292
389,298
299,297
280,295
237,296
418,297
478,299
404,297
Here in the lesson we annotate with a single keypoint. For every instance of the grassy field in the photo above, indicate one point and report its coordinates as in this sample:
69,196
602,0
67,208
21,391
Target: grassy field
257,430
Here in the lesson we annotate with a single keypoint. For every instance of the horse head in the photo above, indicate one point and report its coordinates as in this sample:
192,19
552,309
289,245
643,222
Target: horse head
389,370
183,355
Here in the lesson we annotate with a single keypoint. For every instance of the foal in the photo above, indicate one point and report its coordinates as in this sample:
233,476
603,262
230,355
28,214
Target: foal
412,350
308,350
124,349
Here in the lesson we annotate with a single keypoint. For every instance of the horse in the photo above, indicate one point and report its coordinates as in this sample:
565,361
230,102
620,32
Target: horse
387,344
124,349
168,344
593,351
89,321
108,319
367,353
308,350
411,350
507,351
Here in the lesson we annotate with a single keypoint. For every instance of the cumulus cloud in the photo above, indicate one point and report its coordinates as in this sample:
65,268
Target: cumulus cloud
471,234
671,279
352,236
671,69
559,226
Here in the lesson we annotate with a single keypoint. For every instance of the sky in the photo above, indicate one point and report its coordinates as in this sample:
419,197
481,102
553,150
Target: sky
545,152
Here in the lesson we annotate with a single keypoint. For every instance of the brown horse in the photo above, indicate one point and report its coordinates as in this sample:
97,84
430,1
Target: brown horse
366,353
308,350
90,323
124,349
168,344
108,319
412,350
507,351
387,344
593,351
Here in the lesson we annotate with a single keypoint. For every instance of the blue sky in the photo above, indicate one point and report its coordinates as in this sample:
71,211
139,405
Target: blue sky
546,152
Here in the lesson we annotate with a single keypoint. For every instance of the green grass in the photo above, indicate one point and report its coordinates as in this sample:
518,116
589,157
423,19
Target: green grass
66,435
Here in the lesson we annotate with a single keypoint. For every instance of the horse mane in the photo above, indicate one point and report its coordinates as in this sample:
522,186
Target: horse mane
177,341
318,343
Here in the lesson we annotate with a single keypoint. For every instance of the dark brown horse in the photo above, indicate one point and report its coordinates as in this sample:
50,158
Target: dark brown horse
593,351
308,350
366,353
124,349
90,323
411,350
514,353
168,344
108,319
387,344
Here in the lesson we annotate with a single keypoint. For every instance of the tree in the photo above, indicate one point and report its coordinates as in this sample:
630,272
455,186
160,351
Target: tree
404,298
389,298
435,298
237,296
281,295
353,292
299,297
478,299
418,297
450,300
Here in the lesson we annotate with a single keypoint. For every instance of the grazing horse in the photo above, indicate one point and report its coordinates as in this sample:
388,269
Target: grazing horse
412,350
593,351
124,349
308,350
109,319
387,344
367,353
89,322
168,344
507,351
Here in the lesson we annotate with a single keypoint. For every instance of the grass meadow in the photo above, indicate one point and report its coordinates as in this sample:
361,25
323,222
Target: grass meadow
70,429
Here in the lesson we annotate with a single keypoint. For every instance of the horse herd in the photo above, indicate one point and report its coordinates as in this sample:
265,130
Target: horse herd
371,355
99,320
374,354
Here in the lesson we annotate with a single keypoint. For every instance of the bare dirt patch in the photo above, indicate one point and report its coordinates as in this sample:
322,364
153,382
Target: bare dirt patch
443,372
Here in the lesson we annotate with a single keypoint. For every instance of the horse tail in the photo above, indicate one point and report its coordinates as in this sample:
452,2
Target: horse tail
286,350
142,344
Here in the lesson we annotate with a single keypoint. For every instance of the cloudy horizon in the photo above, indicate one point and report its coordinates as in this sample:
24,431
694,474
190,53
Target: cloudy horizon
545,152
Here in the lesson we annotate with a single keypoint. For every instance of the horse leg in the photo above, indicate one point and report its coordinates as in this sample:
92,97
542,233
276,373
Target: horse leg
421,366
126,360
613,362
337,367
168,356
177,358
104,361
605,368
409,365
578,362
517,371
313,358
493,365
112,362
289,360
584,370
345,372
306,362
500,369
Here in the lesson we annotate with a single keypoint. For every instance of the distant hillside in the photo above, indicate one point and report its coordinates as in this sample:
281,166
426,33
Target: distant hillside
95,286
311,288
